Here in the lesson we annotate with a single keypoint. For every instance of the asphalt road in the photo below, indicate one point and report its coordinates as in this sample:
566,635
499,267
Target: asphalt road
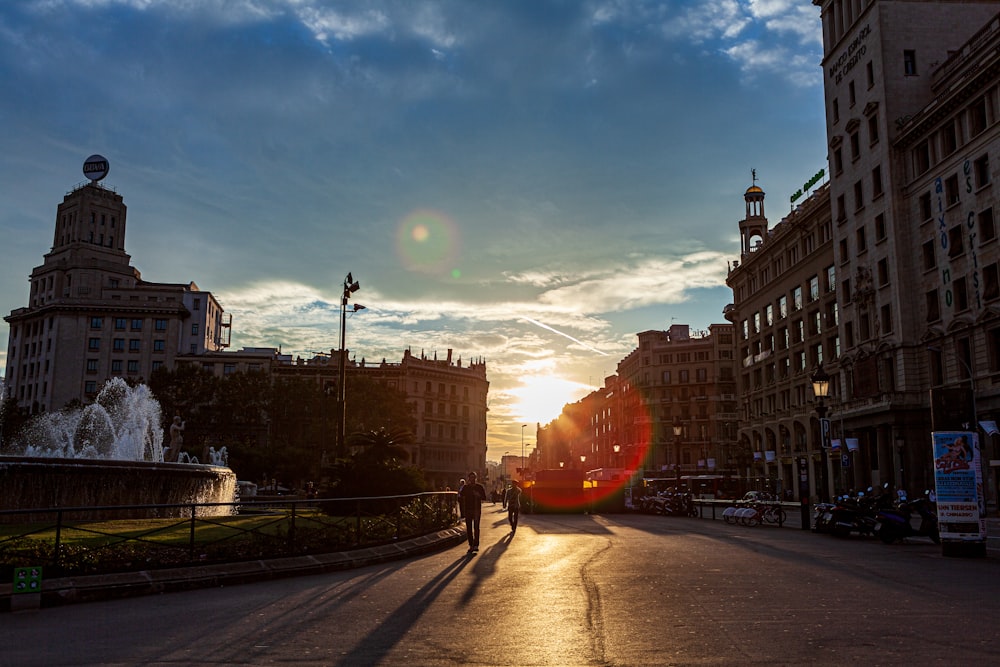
565,590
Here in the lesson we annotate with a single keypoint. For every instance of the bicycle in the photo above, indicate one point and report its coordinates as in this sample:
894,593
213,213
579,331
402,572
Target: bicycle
774,514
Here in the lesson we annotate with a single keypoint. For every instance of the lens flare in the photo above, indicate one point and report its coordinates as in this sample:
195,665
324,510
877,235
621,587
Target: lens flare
427,241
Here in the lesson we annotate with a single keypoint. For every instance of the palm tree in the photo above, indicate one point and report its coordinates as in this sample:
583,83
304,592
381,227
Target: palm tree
381,447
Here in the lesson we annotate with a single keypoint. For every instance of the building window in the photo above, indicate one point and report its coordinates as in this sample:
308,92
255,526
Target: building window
197,304
925,206
870,74
961,295
134,345
951,190
880,229
855,145
769,314
909,62
873,129
797,298
933,306
160,324
831,278
838,161
136,325
133,367
977,117
90,387
94,344
921,158
991,282
859,196
119,345
782,307
955,245
228,369
929,260
859,237
836,110
841,208
883,272
844,256
813,288
91,365
949,139
982,170
886,319
851,97
987,232
194,329
157,365
877,182
120,323
159,346
845,291
96,322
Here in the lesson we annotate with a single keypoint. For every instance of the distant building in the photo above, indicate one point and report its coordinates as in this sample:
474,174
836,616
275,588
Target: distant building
677,400
91,317
785,311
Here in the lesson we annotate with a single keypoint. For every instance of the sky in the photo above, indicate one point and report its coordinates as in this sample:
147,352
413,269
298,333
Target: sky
527,182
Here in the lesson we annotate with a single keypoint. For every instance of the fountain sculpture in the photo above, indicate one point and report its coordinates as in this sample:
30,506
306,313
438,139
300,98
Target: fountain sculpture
105,454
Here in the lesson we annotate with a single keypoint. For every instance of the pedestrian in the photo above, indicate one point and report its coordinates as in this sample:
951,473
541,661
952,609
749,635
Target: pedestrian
513,505
470,500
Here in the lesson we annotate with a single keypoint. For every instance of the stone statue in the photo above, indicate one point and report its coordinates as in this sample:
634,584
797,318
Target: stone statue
176,440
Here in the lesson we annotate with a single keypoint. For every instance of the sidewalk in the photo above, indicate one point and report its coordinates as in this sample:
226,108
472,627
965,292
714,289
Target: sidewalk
149,582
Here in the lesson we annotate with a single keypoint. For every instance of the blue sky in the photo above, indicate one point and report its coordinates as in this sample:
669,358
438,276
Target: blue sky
532,182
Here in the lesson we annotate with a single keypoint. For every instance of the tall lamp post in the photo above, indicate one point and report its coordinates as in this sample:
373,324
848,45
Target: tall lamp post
678,427
821,390
350,287
522,451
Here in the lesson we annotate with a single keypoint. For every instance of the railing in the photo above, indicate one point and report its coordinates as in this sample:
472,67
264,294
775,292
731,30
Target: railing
211,532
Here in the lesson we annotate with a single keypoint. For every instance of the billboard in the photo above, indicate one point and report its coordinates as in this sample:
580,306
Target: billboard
958,484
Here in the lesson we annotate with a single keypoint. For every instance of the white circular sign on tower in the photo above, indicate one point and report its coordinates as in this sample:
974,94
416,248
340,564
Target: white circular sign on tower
96,167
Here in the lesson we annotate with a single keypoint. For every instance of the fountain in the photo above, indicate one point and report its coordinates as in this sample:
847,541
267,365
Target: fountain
105,454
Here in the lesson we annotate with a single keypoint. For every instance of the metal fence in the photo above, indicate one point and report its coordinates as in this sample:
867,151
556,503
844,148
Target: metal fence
64,544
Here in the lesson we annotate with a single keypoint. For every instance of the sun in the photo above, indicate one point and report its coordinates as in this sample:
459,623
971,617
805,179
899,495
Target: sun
540,399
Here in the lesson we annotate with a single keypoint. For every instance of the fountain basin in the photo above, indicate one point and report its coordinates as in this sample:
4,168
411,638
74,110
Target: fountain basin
55,483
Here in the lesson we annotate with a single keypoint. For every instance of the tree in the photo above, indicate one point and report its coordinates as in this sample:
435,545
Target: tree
381,447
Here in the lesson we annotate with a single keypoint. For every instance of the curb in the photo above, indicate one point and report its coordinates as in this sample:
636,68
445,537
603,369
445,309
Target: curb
70,590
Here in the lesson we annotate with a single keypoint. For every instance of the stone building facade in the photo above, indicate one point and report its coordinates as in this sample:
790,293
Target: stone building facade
785,312
913,128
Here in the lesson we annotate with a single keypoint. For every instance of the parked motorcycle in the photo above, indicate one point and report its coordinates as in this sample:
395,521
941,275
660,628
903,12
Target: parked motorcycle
895,523
855,514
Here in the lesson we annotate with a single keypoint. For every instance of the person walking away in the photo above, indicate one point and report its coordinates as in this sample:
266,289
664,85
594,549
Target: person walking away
470,499
513,505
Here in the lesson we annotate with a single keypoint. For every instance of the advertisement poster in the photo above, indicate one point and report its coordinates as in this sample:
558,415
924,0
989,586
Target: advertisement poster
959,486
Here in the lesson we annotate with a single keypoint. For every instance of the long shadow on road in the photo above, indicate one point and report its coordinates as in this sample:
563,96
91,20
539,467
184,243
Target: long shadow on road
375,646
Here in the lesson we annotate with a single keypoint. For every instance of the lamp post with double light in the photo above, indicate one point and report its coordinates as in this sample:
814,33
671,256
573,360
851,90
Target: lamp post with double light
350,287
678,428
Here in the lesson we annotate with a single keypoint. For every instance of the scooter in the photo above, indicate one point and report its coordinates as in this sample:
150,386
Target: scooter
894,524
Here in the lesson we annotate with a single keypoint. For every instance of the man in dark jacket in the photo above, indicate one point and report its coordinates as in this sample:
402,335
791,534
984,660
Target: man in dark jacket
470,499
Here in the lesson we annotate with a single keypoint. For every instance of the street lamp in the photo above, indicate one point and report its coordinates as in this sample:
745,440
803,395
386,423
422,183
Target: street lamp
821,390
618,449
583,459
678,427
522,451
350,287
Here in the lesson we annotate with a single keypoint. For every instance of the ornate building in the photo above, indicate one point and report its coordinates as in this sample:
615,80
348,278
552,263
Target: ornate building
913,128
785,311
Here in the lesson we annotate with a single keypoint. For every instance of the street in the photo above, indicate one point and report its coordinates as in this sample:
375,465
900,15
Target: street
614,589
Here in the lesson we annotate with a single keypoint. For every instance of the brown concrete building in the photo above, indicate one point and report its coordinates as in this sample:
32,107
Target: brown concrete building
91,316
785,311
677,400
912,103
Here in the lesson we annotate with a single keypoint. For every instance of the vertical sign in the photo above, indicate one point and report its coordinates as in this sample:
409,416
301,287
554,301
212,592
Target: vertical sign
958,483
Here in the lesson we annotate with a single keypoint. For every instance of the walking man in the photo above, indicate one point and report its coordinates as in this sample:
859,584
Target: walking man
470,499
